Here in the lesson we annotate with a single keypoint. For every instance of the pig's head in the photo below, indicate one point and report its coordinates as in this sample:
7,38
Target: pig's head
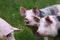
9,36
6,30
47,27
30,19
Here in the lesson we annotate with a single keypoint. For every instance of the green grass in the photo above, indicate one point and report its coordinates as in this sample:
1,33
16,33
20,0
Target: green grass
9,10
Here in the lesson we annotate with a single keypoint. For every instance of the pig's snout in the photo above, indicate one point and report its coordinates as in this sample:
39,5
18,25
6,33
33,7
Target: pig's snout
26,21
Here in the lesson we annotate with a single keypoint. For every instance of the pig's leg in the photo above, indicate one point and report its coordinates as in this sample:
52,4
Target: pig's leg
45,38
36,37
56,38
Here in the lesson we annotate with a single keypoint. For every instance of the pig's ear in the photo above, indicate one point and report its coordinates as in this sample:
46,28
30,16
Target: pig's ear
48,19
22,11
36,11
15,29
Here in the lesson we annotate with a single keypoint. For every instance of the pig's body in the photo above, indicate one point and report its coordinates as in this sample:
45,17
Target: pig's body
50,26
50,10
6,30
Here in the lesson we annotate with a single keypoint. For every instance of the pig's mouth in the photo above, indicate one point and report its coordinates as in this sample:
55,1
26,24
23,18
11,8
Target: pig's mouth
27,23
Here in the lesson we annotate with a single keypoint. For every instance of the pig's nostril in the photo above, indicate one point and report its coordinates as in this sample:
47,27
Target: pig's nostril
26,21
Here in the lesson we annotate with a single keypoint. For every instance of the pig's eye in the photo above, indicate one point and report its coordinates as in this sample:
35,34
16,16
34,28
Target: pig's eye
36,19
8,35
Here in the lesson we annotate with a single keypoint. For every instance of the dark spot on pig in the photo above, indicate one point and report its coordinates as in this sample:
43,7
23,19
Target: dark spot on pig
58,17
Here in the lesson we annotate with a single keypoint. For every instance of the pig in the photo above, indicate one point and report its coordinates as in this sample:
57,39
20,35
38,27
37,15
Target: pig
49,26
31,21
6,30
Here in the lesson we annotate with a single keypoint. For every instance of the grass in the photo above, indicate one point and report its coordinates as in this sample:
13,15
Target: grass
9,10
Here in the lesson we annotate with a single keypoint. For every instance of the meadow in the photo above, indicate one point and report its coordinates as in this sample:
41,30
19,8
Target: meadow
10,11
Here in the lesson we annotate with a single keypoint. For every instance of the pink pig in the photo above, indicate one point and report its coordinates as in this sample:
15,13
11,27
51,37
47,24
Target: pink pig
50,26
